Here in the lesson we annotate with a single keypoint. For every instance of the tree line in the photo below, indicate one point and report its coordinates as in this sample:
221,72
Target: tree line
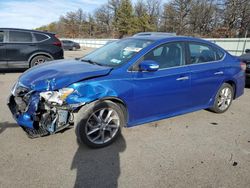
119,18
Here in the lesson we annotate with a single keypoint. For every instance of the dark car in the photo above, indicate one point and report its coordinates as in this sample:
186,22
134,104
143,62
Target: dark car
21,48
126,83
70,45
246,59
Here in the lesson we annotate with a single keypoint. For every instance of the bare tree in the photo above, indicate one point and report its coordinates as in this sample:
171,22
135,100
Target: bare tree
103,17
237,16
169,19
117,18
154,9
175,16
201,17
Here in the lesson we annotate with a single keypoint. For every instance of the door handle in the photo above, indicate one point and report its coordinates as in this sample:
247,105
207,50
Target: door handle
218,73
182,78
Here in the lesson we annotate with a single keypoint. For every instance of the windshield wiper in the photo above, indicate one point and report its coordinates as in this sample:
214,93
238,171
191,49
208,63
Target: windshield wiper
91,62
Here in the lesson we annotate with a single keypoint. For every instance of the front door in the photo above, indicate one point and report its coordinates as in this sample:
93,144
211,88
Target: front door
166,91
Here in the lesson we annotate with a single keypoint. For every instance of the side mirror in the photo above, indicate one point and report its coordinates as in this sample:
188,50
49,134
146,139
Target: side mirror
149,66
247,50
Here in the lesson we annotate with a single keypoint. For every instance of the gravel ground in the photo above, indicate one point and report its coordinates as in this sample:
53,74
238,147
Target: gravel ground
200,149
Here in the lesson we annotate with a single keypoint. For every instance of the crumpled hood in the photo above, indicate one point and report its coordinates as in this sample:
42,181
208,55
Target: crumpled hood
58,74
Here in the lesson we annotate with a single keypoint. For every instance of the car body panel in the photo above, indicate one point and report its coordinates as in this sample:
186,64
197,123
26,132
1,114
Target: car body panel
19,54
206,77
70,45
147,96
161,92
3,59
246,59
58,78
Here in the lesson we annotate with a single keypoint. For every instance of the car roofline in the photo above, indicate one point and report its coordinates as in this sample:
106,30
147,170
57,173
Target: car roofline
28,30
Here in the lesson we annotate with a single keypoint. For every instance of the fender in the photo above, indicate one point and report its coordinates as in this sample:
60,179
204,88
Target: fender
92,92
232,83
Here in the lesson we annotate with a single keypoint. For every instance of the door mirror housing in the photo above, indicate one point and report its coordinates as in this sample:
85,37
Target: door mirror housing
149,66
247,50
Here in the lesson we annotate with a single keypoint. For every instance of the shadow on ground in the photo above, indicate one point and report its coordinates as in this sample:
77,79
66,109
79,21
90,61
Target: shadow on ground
7,125
98,167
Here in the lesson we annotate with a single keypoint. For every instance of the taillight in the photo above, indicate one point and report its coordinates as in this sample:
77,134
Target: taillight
58,43
243,66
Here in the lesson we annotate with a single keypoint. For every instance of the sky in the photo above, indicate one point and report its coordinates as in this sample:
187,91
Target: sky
30,14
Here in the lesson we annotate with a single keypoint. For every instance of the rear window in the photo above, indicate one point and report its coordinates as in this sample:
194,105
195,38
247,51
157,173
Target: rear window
19,36
201,53
40,37
1,36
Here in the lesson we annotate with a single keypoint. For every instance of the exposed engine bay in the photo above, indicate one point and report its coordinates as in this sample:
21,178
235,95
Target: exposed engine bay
41,114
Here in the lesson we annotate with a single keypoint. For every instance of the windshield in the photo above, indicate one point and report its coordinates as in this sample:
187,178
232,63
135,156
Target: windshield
116,53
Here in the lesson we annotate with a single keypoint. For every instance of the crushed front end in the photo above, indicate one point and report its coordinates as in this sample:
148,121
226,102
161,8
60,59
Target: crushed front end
41,113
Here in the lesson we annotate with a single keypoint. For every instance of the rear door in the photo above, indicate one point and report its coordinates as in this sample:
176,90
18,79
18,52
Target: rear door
207,72
3,58
19,48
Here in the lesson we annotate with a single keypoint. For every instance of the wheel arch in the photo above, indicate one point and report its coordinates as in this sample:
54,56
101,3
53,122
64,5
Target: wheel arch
120,102
39,53
233,84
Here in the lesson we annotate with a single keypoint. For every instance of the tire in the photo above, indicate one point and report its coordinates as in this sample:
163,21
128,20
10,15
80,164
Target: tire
37,60
221,99
90,125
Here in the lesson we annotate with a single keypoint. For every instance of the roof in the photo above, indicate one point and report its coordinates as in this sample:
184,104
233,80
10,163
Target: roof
161,38
154,34
28,30
170,37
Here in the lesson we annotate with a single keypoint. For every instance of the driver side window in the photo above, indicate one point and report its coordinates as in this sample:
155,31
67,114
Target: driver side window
167,55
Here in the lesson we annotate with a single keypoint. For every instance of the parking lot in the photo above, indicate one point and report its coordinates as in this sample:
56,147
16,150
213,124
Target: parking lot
200,149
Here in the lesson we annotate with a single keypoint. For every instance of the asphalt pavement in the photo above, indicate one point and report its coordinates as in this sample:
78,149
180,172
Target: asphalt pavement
200,149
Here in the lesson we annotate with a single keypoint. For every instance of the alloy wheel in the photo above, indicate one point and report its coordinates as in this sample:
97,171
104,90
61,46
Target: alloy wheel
39,61
225,98
102,125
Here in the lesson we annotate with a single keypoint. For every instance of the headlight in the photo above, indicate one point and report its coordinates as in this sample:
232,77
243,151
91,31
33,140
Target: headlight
57,96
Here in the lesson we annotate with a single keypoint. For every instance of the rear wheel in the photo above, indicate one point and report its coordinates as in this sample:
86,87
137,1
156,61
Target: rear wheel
37,60
224,98
99,124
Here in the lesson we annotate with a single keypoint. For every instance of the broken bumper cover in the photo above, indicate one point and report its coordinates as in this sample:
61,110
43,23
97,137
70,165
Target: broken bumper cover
34,108
25,119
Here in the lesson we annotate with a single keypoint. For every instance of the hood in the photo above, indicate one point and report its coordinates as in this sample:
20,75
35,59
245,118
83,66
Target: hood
58,74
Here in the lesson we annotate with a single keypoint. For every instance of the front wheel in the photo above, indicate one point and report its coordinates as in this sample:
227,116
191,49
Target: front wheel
224,98
99,124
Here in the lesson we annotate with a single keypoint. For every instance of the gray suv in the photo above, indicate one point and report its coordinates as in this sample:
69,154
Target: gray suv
20,48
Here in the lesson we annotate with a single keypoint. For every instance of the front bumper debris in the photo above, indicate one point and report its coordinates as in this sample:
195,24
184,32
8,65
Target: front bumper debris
37,117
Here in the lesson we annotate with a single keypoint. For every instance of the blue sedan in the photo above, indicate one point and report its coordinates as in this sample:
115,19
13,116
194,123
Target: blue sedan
126,83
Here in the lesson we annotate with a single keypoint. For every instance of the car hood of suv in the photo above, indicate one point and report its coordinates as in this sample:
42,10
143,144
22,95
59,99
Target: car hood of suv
58,74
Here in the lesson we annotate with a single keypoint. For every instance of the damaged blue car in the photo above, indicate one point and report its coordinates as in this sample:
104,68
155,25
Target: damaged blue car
126,83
